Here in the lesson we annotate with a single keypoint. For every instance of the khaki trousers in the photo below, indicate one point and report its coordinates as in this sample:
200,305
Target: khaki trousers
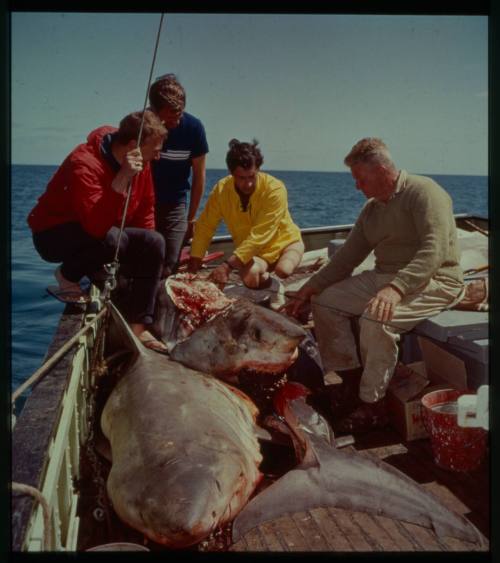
334,309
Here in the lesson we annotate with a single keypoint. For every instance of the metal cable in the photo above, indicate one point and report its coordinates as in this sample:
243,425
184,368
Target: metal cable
139,138
56,357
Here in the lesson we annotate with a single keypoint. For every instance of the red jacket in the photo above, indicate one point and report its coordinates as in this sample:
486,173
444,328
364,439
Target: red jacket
80,191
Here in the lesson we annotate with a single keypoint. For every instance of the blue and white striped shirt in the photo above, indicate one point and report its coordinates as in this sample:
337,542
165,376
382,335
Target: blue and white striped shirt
172,172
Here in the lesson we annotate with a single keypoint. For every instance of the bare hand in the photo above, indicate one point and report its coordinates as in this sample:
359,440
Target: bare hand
221,274
298,300
132,163
382,306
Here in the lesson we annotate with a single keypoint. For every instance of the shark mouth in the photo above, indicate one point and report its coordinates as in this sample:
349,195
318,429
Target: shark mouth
259,368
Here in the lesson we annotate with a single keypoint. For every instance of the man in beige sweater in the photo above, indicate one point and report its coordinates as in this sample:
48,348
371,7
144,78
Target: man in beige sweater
408,222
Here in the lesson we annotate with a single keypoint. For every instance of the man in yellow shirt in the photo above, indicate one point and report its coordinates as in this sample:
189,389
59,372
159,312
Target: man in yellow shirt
254,206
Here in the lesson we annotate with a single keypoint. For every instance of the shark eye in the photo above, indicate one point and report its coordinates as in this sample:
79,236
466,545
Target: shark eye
240,323
239,328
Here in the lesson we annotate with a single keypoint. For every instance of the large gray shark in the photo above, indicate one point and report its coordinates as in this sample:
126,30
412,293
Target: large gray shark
327,476
184,448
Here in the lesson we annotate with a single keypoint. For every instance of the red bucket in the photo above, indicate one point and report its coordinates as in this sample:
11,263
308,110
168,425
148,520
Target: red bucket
454,448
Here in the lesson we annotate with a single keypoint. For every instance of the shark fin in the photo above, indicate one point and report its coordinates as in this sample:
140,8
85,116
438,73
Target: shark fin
119,335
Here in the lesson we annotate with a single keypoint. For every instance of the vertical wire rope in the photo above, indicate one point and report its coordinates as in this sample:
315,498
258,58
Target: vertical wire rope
139,138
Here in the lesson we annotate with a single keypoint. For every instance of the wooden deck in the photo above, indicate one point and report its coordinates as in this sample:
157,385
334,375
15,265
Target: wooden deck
337,530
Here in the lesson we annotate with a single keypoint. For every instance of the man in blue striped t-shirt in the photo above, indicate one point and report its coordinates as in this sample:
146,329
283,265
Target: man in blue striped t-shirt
183,152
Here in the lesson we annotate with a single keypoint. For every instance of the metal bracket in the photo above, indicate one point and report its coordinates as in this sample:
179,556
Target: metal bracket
110,283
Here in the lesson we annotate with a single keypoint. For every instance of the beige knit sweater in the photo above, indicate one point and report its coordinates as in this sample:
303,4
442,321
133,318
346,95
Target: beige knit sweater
413,236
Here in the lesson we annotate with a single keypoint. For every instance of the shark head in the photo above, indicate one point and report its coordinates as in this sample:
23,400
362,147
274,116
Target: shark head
245,336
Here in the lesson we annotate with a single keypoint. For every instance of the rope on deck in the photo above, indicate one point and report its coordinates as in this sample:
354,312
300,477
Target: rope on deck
47,526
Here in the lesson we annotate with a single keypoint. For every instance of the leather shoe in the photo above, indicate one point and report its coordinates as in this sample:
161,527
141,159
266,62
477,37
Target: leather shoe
368,416
344,397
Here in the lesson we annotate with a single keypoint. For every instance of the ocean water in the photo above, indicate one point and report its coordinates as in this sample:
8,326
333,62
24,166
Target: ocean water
315,199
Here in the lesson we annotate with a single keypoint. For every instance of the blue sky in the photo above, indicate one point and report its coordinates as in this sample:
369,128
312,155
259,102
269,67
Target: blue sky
306,86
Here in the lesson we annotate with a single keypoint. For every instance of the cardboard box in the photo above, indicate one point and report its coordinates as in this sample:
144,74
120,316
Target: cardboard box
441,365
408,385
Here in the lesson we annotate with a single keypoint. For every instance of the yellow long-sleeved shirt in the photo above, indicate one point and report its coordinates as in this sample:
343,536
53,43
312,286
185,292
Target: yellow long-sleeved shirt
264,230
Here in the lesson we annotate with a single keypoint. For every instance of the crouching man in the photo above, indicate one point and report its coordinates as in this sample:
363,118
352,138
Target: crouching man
254,206
77,219
408,222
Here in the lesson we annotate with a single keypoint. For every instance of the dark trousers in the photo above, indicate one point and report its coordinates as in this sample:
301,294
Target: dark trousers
171,222
141,258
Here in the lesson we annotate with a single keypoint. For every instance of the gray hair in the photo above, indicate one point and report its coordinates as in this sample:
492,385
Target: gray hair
370,150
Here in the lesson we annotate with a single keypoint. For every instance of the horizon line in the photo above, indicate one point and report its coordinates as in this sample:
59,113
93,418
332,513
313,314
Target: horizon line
224,170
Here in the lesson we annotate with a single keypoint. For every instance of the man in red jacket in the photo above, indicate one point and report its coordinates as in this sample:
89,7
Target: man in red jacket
77,219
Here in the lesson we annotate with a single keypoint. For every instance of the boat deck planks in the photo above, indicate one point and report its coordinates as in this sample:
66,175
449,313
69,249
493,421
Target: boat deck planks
339,530
315,540
330,531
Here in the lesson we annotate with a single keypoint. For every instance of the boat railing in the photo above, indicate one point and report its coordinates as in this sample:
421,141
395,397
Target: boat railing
46,442
318,237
